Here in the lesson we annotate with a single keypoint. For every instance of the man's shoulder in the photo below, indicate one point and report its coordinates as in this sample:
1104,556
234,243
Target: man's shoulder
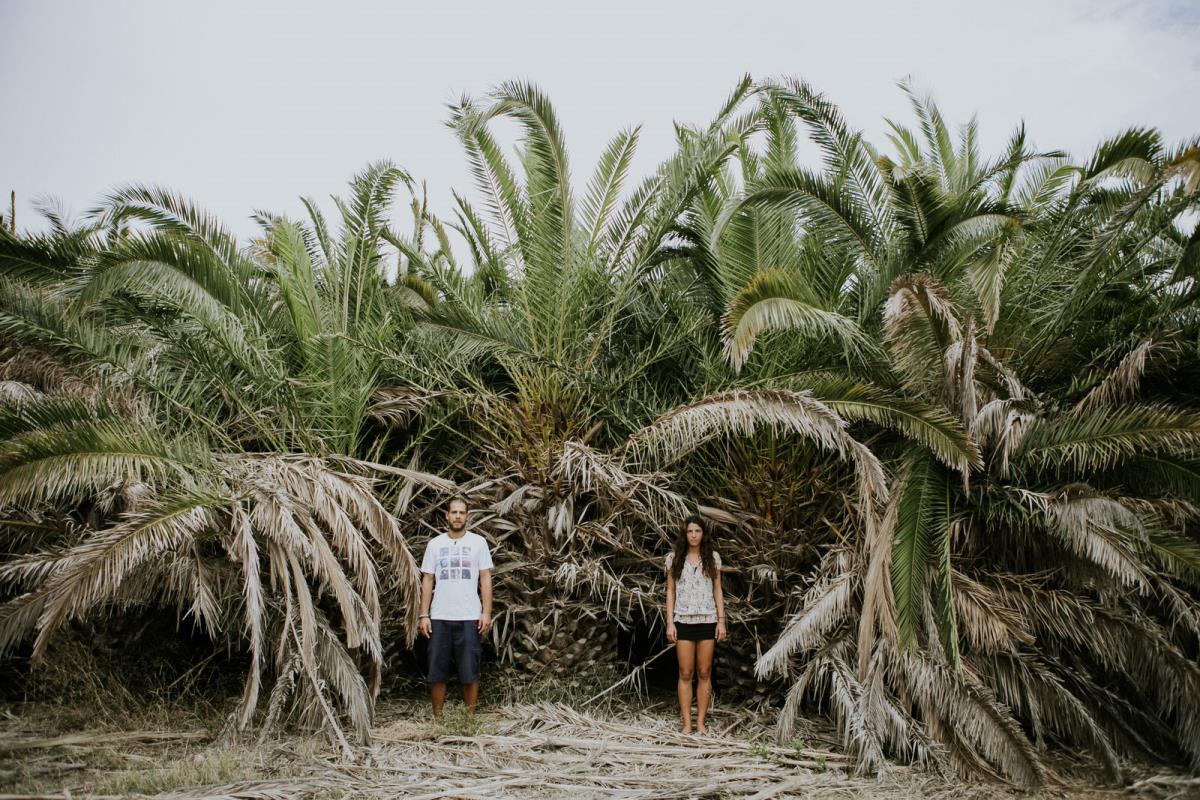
476,537
435,538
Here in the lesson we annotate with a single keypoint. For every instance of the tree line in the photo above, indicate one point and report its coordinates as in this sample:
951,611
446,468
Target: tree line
940,405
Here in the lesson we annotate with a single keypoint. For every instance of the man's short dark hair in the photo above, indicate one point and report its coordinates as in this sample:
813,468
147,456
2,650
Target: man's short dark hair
458,498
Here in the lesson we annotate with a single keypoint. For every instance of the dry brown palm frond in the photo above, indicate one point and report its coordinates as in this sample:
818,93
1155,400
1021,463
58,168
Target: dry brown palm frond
986,623
826,605
27,571
245,552
1122,641
920,325
400,405
1097,528
17,392
964,704
1016,389
743,412
879,602
45,375
344,677
999,426
861,735
1123,382
100,564
958,364
316,528
1031,688
739,412
619,594
590,471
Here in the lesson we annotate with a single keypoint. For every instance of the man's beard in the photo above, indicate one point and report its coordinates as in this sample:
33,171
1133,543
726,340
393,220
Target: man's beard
457,528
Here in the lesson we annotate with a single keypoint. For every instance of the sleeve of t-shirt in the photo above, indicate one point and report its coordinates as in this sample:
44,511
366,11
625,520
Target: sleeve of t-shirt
485,555
670,558
428,564
717,559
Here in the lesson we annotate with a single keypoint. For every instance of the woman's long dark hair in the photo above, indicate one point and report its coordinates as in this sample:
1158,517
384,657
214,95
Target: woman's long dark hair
707,563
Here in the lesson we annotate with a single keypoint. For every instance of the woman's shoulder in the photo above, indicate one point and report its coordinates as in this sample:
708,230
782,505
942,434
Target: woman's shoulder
717,559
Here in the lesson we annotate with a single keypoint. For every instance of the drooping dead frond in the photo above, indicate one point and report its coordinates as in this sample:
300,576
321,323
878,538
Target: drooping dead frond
829,674
976,716
101,563
1097,528
825,606
1123,381
988,624
959,362
743,412
919,325
999,426
740,412
590,470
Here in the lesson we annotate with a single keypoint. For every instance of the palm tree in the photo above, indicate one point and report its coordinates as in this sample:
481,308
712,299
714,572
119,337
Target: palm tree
229,420
976,620
567,358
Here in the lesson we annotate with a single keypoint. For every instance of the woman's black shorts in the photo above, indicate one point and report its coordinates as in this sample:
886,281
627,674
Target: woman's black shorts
695,631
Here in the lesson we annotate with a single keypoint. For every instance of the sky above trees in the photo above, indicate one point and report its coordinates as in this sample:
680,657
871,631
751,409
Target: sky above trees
246,106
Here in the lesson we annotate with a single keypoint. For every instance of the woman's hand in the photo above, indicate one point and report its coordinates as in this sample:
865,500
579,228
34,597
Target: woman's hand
671,632
721,633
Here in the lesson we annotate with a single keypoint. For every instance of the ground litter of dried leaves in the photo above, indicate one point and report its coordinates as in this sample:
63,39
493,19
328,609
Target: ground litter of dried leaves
521,751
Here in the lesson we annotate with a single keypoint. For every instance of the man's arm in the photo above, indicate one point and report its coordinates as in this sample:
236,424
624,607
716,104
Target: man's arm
485,597
424,624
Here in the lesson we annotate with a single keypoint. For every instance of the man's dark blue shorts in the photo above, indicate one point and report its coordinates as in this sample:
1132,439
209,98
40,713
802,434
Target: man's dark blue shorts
458,639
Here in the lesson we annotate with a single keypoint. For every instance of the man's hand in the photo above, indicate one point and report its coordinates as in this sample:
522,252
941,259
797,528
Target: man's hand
671,632
425,627
484,623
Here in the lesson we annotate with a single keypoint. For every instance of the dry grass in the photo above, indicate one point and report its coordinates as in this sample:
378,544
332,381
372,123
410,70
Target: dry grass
540,750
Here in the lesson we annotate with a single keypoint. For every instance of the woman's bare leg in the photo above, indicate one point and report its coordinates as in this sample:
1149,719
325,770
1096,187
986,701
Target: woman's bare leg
685,652
704,659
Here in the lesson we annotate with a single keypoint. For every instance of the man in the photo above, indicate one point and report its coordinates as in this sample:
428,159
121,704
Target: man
461,609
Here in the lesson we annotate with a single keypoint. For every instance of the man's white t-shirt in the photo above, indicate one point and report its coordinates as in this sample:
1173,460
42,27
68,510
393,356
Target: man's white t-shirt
454,565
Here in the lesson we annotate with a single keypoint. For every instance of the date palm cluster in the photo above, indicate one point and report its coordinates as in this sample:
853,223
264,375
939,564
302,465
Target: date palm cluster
939,408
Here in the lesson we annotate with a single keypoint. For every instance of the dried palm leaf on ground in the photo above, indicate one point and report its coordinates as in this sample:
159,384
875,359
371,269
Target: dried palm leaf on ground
539,750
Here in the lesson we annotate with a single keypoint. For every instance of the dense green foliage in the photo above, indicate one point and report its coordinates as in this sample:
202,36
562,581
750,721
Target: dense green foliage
940,407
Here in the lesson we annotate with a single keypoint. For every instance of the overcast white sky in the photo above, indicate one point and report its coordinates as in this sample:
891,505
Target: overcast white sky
248,105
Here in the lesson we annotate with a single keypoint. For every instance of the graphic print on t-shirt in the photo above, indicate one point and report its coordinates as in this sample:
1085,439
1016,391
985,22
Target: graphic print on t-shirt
454,563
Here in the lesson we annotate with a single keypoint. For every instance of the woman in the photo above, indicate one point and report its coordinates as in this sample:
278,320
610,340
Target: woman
695,615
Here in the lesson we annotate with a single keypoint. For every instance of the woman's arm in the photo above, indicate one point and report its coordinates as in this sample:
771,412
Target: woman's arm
719,598
670,606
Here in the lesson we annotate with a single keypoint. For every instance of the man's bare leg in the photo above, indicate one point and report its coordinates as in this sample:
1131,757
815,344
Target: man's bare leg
470,696
437,693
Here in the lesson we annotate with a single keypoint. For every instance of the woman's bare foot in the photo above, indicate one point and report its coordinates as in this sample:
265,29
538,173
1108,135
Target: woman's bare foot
701,730
687,729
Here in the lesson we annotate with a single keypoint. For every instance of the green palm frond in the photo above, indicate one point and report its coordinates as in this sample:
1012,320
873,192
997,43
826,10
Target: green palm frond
773,300
76,456
605,188
1103,438
821,203
918,519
